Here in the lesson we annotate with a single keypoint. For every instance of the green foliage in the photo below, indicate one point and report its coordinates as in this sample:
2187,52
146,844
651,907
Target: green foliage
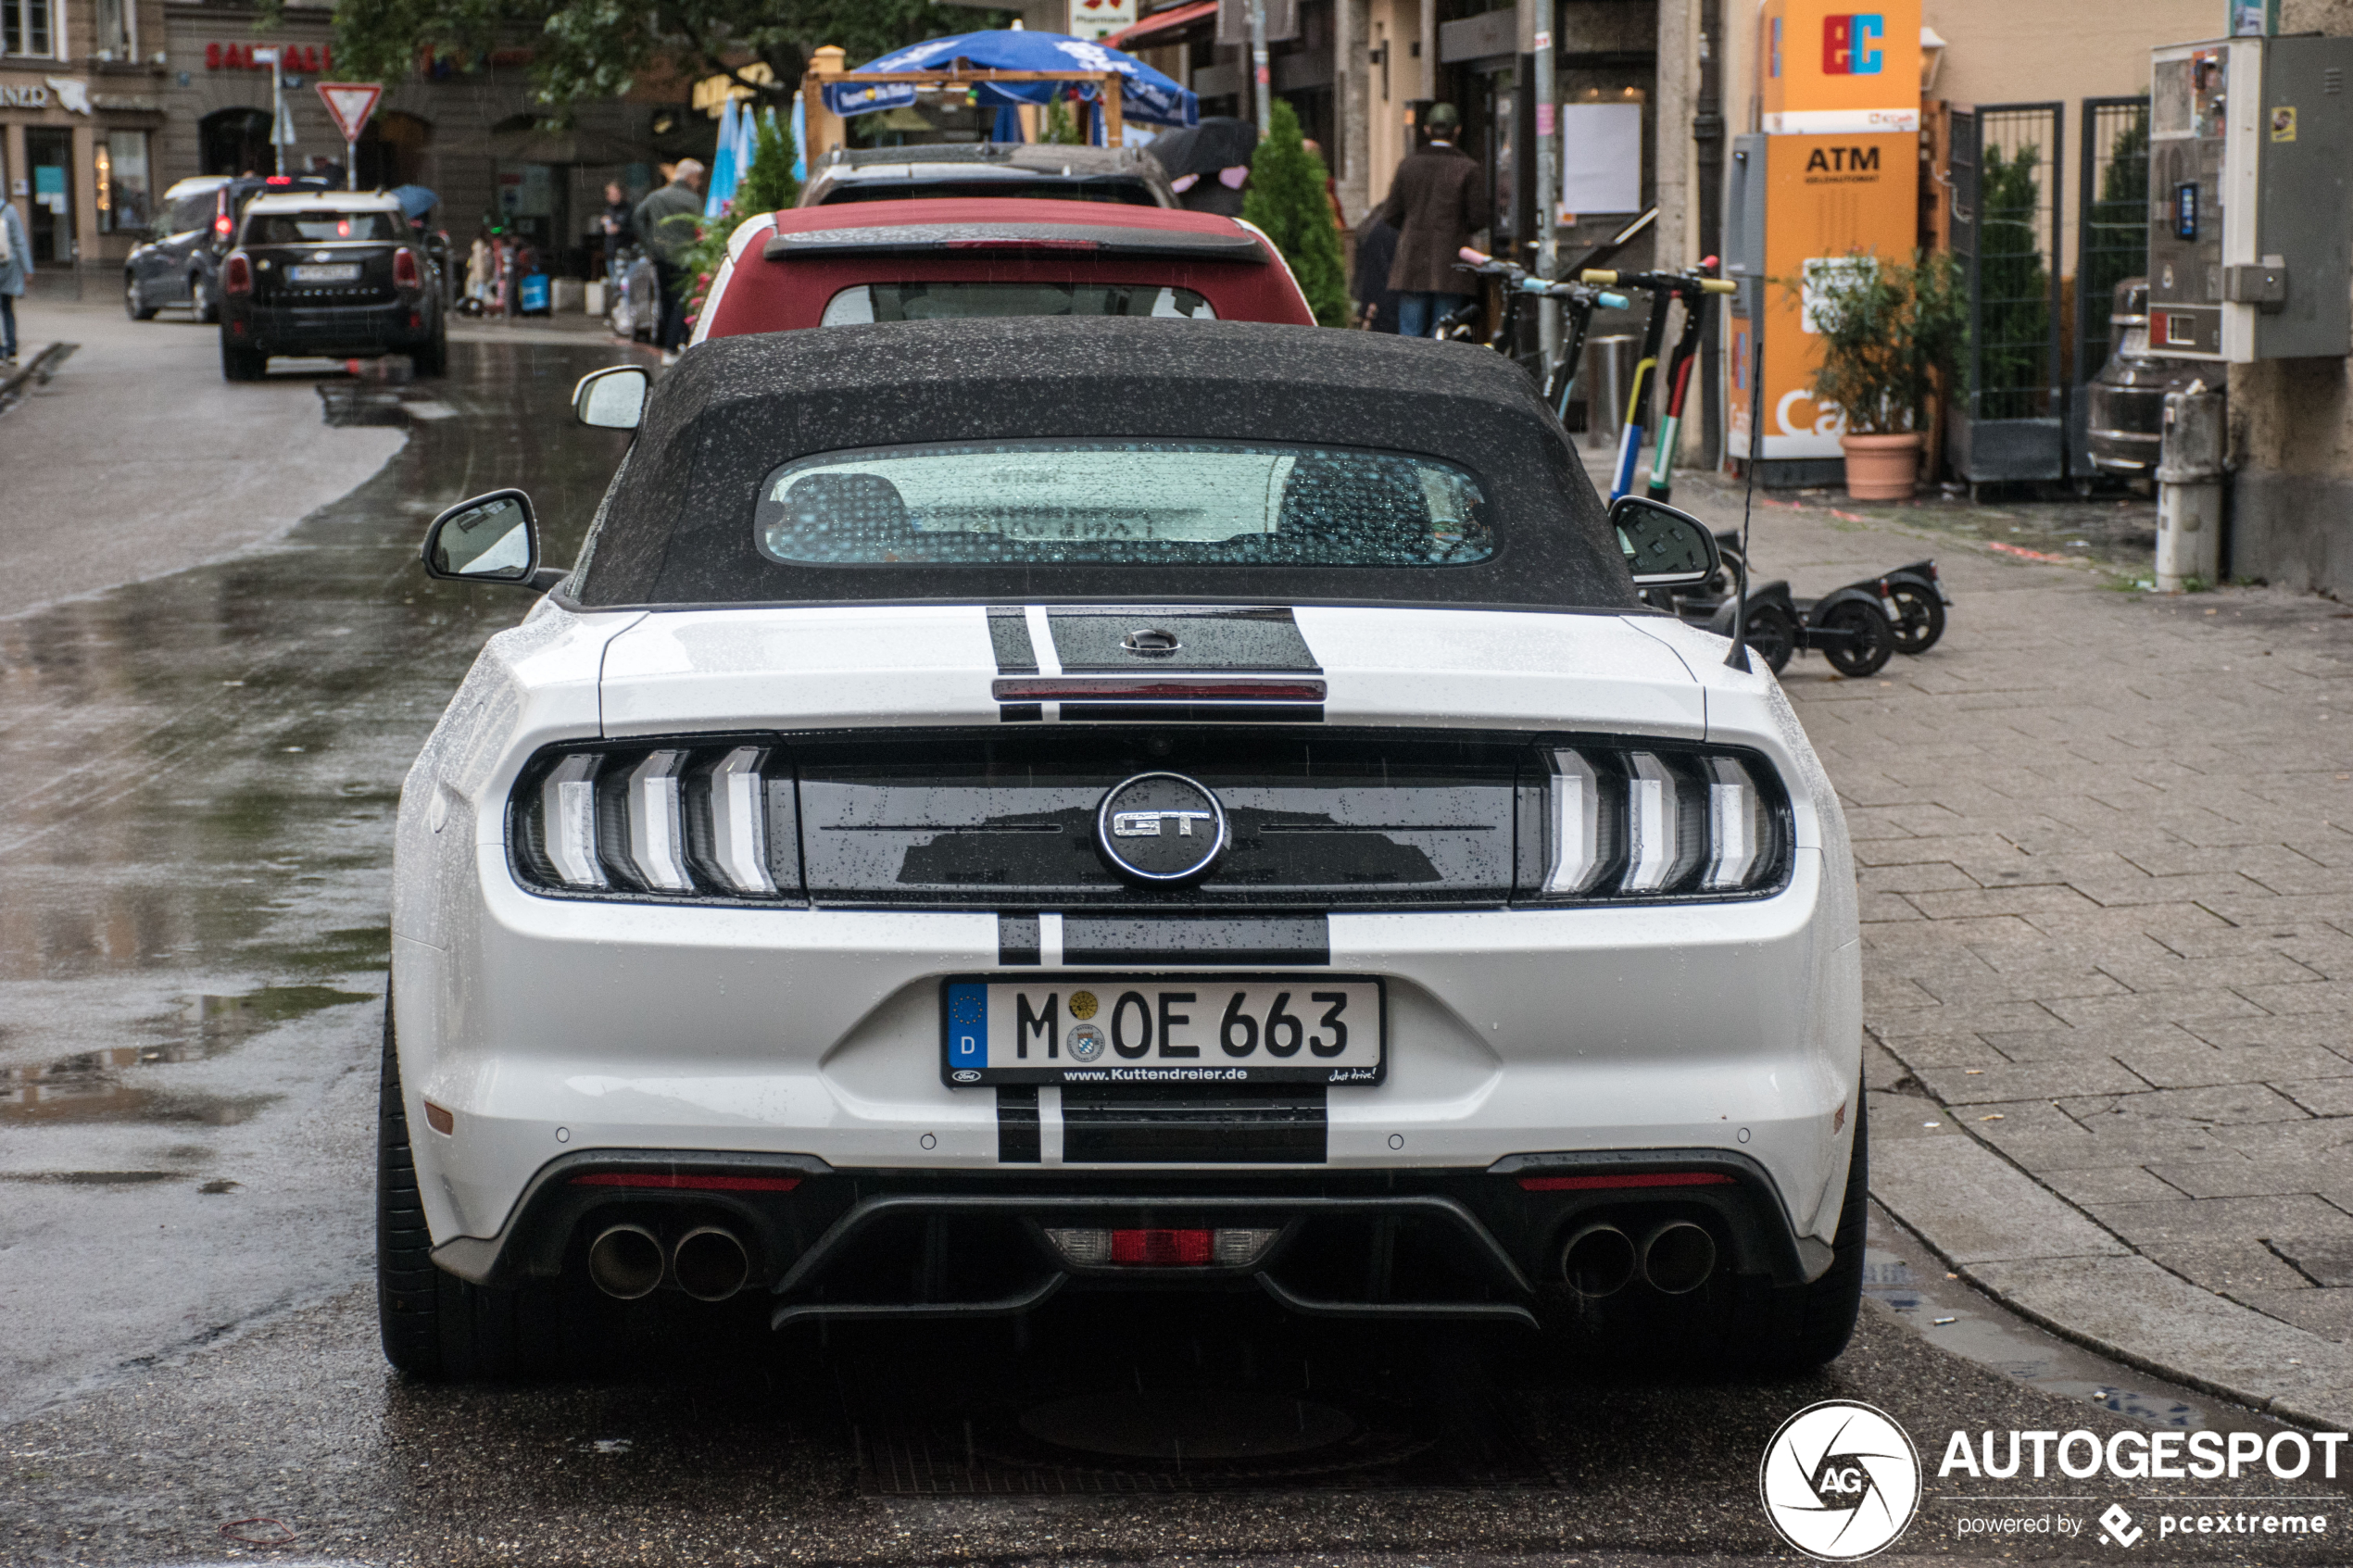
769,185
1285,197
2013,368
1890,331
583,49
1061,126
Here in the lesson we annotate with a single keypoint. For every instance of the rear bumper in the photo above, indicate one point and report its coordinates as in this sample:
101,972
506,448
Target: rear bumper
396,324
1409,1242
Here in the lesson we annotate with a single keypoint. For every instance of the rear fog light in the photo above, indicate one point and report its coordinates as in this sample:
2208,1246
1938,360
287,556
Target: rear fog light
1231,1249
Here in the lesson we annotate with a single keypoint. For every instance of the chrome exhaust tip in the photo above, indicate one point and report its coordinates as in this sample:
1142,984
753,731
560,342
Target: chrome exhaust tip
709,1263
1677,1256
625,1261
1598,1261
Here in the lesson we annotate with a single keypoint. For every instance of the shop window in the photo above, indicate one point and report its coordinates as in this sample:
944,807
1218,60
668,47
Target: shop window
27,28
123,204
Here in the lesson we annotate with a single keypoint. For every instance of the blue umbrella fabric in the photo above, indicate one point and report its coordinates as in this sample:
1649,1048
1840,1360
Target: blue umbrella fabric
1145,93
415,200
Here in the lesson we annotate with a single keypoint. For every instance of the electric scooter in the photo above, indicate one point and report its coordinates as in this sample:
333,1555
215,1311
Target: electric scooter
1692,287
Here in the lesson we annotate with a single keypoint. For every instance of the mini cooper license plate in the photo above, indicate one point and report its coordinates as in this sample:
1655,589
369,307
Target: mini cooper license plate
1163,1029
330,272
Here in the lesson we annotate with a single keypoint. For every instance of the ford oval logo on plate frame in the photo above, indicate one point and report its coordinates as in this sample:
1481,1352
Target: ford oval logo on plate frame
1160,827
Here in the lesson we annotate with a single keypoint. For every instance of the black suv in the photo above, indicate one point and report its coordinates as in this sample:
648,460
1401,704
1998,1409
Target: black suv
331,274
180,262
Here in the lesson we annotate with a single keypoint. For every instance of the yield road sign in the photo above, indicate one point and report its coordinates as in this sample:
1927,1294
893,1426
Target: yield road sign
350,104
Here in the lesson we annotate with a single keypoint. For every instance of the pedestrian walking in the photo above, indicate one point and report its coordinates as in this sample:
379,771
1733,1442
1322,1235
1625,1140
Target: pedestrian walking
1438,200
666,222
16,266
618,226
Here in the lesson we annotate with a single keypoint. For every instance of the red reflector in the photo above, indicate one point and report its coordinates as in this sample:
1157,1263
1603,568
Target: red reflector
1654,1179
1032,688
691,1184
1163,1248
438,1118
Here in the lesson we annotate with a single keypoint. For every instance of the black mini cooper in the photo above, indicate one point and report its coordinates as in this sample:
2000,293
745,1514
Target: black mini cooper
330,274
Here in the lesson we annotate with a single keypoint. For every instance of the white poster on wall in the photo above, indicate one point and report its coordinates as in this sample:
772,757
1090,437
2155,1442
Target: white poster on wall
1601,158
1097,18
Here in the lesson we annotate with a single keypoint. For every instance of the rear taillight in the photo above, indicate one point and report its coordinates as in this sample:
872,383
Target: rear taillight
236,274
683,821
1629,823
404,270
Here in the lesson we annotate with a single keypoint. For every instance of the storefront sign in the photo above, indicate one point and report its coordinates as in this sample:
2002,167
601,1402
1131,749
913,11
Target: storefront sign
24,97
68,93
312,57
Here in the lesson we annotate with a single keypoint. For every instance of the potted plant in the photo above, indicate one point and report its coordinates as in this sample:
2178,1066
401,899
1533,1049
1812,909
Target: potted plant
1891,332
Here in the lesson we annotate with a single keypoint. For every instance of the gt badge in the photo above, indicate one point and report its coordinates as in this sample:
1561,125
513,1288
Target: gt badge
1160,827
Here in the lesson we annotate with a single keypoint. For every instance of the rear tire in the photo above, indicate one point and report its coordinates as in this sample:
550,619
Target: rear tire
433,1324
1921,616
135,304
1870,642
432,358
242,364
1794,1329
1773,634
200,300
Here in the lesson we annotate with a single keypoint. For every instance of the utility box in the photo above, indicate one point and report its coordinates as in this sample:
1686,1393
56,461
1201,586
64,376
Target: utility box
2251,199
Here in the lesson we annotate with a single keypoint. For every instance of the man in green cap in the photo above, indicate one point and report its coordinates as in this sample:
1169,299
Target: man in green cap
1437,201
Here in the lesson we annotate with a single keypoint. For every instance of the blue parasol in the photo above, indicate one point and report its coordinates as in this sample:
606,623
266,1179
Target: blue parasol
415,200
1145,93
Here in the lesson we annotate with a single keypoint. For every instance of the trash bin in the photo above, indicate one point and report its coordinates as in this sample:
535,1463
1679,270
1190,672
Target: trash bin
534,294
1605,382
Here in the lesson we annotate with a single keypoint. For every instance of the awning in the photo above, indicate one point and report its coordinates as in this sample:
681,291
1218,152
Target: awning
1147,31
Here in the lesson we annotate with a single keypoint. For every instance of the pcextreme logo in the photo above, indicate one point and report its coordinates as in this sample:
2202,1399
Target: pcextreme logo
1840,1481
1848,44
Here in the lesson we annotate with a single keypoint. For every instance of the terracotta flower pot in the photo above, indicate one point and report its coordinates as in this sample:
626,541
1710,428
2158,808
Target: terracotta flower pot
1883,468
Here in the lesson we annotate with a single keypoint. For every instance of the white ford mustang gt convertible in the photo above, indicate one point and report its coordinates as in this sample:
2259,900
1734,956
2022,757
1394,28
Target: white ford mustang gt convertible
1009,808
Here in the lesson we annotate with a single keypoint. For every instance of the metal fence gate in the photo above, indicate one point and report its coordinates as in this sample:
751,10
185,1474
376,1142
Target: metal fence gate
2010,418
2111,241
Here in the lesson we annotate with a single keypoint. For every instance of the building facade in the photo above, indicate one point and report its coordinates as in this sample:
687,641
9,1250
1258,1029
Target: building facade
82,85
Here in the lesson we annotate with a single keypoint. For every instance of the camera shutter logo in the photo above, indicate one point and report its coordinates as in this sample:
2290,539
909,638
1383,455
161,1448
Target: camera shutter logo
1840,1481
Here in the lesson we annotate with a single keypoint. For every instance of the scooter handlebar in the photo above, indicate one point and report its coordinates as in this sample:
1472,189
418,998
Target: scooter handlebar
1719,286
1475,258
1608,301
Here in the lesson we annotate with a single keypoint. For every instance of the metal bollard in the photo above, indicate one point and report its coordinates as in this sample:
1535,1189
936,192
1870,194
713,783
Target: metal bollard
2189,488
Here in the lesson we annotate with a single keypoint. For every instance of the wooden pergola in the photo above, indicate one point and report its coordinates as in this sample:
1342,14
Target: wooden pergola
828,131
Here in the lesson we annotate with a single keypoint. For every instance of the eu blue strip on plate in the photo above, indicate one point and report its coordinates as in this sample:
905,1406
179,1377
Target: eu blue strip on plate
967,1026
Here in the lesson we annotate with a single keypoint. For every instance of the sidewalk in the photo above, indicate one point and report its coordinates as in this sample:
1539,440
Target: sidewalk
2105,842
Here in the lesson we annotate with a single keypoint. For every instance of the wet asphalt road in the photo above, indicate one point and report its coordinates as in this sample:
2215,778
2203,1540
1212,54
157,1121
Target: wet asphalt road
201,771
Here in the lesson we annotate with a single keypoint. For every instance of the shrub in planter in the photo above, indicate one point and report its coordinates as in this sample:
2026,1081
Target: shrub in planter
1891,334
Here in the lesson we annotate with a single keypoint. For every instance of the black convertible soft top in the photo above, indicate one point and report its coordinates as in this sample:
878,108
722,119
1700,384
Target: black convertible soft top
676,528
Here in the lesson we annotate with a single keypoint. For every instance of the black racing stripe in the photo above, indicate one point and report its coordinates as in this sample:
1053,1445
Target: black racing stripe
1193,713
1017,1132
1021,712
1169,939
1009,639
1091,640
1231,1124
1017,939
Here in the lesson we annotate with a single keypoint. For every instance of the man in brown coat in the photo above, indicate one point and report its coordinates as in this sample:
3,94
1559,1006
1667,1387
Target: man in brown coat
1437,201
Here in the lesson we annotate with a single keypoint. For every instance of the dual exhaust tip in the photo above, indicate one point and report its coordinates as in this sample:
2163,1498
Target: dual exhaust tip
708,1262
1675,1258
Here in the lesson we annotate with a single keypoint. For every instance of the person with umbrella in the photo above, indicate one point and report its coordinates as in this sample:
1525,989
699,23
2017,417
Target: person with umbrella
1208,164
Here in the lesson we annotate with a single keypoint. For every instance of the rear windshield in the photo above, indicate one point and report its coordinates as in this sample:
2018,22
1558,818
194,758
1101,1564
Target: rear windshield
1077,502
317,228
1120,192
937,302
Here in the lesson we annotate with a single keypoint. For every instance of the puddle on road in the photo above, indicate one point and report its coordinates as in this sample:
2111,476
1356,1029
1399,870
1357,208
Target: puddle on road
1949,1313
93,1085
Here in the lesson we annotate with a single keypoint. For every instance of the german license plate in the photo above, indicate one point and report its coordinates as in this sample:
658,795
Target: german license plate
1203,1029
326,272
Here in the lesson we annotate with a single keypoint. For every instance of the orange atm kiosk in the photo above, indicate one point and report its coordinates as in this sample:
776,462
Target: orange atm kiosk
1833,170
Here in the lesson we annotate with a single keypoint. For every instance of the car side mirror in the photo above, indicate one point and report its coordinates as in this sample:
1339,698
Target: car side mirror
492,538
613,399
1665,548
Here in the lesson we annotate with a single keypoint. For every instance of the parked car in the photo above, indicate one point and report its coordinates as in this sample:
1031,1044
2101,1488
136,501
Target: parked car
1016,807
196,219
932,261
330,273
2127,398
1123,176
